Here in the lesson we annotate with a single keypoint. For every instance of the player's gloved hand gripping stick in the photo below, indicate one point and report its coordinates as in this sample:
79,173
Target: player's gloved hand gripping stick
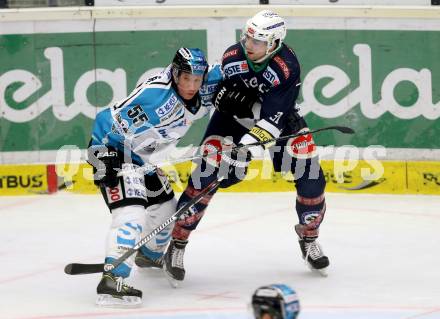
151,167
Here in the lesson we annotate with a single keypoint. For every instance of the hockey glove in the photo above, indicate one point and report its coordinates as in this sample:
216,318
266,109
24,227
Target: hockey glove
234,165
234,99
106,164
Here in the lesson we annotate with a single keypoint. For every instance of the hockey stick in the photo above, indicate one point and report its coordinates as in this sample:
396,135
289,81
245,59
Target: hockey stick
82,269
151,167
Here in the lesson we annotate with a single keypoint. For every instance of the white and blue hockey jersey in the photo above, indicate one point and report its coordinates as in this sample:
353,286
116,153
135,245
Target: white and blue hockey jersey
152,117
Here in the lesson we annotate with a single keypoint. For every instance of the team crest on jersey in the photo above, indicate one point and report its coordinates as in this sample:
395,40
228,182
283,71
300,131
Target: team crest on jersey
167,107
236,68
303,146
270,75
282,65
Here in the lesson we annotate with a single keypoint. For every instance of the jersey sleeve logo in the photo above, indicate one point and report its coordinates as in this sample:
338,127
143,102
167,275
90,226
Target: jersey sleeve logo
282,65
303,146
230,53
260,134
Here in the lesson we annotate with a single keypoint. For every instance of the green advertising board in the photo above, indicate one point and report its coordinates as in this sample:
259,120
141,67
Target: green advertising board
384,84
52,85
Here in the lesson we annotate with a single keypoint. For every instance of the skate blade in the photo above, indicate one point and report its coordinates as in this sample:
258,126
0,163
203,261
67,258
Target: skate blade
108,301
322,272
173,282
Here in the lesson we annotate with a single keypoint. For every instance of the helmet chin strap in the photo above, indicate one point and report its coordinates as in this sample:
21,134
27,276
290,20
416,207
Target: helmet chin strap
267,55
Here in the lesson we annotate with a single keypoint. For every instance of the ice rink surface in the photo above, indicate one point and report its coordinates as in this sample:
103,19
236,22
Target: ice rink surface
384,254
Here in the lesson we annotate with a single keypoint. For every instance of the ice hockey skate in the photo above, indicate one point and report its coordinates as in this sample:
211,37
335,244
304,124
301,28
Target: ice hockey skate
314,256
143,261
113,292
312,252
173,262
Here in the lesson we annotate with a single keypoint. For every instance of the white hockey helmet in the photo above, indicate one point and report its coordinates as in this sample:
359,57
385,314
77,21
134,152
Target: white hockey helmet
266,26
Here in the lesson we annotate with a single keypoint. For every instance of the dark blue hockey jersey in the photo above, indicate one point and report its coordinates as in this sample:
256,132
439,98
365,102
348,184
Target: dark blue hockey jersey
277,84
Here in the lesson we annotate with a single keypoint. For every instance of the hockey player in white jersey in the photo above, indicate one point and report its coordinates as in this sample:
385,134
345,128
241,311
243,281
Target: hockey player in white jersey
125,136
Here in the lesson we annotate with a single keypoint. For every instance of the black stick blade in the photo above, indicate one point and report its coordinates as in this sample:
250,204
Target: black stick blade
82,269
344,129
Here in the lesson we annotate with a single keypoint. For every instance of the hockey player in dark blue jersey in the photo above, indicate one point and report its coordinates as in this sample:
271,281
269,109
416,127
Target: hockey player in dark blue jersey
256,102
127,136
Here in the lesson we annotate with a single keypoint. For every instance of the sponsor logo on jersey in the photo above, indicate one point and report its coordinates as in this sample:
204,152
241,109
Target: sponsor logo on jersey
207,99
114,194
167,107
302,146
129,180
253,83
208,89
260,134
135,193
176,111
181,123
270,75
236,68
282,65
228,54
152,79
163,132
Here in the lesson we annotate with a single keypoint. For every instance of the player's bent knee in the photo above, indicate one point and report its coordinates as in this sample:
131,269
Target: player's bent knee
308,187
128,214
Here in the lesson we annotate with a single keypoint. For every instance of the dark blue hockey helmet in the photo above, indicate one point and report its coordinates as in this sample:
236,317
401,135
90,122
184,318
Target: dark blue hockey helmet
189,60
279,301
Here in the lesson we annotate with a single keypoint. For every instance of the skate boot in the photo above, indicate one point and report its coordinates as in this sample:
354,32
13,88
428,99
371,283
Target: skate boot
313,255
173,262
145,260
113,292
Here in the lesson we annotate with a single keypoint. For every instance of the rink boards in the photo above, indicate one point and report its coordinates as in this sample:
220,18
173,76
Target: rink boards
385,177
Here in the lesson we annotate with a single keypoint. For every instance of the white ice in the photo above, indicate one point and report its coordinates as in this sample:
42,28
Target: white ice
384,252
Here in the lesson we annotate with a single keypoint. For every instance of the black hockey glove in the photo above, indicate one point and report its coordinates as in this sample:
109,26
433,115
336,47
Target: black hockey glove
234,166
234,99
106,164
